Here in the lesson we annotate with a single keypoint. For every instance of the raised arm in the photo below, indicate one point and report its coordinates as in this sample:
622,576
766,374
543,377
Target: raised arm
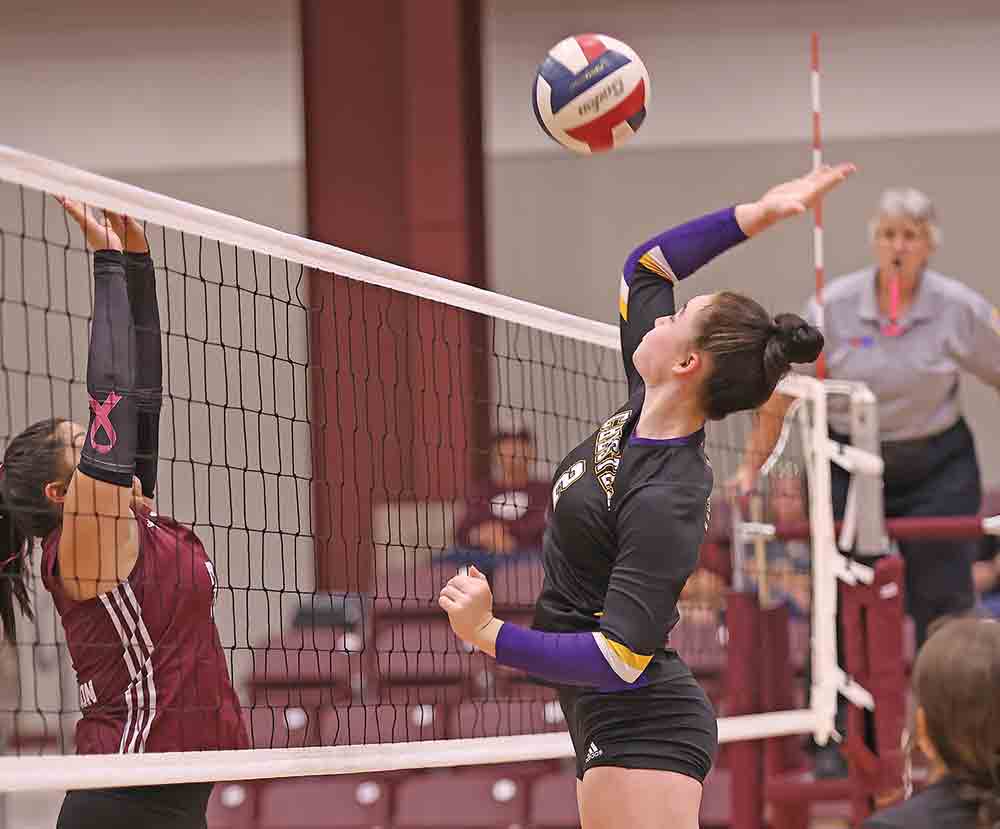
763,437
653,268
99,543
143,304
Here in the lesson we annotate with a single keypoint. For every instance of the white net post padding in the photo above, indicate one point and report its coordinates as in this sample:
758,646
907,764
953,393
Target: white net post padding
52,772
830,566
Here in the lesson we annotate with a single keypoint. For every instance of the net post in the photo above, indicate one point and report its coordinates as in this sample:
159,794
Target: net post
743,697
826,558
871,538
874,654
760,547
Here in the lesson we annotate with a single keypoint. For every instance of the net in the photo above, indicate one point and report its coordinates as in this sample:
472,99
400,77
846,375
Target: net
342,434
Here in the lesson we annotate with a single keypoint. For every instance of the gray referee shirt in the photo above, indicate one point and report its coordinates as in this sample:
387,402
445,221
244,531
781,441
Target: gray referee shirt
947,328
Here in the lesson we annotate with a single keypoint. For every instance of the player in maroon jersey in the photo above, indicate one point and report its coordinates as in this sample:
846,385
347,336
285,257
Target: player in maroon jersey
134,590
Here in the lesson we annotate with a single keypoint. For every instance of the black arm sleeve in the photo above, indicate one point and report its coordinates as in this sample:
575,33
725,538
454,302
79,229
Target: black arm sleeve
149,366
109,449
660,528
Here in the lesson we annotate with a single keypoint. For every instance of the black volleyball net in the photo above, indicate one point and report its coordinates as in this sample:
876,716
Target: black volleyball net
343,434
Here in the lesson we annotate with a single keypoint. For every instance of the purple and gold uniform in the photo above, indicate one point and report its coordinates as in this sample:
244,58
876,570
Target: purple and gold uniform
628,516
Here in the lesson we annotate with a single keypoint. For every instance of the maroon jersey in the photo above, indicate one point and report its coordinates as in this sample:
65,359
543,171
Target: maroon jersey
151,670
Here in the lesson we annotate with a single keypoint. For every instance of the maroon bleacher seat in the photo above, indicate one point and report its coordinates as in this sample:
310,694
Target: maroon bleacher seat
517,584
715,799
503,717
232,806
371,724
337,802
873,637
282,726
698,643
419,659
553,801
508,717
511,683
307,666
410,583
431,635
479,799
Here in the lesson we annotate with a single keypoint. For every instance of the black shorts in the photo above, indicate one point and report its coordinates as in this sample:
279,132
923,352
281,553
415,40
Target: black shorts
136,807
669,726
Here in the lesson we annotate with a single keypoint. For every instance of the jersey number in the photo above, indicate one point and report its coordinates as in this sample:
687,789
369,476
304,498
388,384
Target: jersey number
566,480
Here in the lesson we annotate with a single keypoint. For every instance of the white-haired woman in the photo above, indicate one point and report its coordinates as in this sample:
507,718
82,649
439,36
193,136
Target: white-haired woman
908,332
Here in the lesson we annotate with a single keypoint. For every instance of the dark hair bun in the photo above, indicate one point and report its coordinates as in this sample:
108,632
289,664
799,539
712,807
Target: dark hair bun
800,341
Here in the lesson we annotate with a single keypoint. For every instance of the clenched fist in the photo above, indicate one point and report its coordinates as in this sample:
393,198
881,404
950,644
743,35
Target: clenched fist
468,601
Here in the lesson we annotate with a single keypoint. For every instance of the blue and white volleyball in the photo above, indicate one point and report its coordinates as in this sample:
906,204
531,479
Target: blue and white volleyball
591,93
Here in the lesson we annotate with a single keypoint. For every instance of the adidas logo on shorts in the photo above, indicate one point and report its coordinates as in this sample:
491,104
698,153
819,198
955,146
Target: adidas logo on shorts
592,753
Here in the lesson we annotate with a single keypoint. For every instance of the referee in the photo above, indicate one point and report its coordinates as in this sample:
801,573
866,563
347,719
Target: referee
908,332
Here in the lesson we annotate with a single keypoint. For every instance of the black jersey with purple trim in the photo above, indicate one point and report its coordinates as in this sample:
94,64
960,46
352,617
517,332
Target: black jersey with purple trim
628,514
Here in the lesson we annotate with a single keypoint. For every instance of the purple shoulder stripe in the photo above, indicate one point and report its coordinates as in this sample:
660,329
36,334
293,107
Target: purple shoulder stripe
691,245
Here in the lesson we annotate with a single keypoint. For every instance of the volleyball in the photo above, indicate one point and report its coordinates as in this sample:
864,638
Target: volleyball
591,93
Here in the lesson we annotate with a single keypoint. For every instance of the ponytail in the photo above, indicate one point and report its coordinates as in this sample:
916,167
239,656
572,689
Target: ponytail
750,352
33,458
956,681
12,570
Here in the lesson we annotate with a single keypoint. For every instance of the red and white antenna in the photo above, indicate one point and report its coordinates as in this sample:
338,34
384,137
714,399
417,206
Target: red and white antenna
818,209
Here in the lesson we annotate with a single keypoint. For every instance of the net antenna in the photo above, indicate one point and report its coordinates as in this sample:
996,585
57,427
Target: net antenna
864,522
817,159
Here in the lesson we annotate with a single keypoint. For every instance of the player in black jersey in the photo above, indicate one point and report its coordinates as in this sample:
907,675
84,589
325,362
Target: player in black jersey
629,511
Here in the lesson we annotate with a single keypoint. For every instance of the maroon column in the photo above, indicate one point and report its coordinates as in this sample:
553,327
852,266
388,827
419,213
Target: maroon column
743,697
395,170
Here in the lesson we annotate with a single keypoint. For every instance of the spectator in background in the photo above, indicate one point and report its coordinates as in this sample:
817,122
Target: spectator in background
986,570
505,515
704,595
986,576
956,688
788,562
908,332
